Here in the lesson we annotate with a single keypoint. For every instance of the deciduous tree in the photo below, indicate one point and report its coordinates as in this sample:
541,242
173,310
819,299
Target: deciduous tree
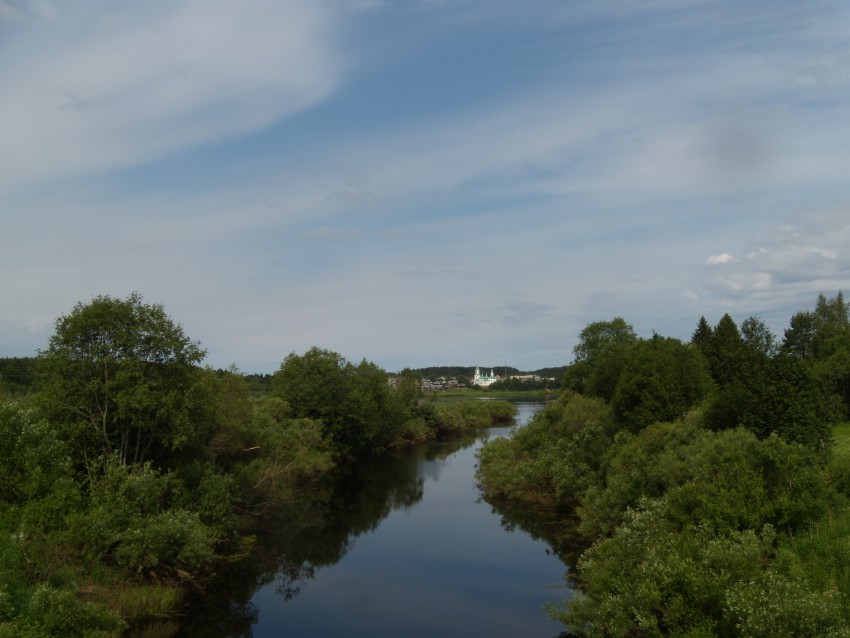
118,374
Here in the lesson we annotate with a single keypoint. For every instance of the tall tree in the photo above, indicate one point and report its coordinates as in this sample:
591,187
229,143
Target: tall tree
832,325
756,334
800,336
117,376
702,334
662,378
599,357
822,340
724,350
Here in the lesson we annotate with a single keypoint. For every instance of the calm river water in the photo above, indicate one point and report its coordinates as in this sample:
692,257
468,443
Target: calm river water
399,546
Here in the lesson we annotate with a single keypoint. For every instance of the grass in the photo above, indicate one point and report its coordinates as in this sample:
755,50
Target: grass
841,449
838,467
135,602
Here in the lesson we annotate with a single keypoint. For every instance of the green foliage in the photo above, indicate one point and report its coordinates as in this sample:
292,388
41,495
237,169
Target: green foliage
772,395
32,456
288,453
661,380
691,534
118,375
59,614
773,605
18,376
553,458
136,521
470,415
723,351
822,340
800,335
702,335
755,334
649,579
598,357
349,401
637,466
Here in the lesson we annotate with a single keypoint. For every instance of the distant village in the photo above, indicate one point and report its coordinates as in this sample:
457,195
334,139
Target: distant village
479,379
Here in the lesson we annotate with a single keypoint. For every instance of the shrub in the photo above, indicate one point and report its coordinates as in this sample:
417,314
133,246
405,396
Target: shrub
771,605
60,614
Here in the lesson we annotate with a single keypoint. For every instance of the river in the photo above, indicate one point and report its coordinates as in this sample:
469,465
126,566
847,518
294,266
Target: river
401,545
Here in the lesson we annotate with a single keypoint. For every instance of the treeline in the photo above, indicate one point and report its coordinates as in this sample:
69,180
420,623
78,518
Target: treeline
703,477
17,375
525,385
129,473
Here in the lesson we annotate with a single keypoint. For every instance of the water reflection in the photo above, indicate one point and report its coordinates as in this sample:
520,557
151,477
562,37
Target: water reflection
438,553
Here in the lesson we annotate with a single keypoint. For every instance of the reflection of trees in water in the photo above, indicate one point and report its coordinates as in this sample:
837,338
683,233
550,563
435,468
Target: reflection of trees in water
553,528
315,528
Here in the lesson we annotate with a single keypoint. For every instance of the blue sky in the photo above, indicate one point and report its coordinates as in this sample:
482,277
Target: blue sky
424,182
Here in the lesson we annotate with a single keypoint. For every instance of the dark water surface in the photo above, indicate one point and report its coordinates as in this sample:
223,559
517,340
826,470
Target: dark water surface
397,546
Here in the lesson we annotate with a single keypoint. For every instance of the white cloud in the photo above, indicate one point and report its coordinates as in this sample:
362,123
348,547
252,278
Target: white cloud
785,269
722,258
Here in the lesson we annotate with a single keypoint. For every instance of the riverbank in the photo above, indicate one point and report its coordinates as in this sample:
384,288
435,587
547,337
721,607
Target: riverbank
717,533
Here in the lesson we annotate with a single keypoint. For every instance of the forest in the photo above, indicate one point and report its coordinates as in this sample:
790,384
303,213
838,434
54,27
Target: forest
130,474
703,487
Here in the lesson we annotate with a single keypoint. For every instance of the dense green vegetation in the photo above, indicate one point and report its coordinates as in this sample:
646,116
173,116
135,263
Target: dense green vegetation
129,474
709,481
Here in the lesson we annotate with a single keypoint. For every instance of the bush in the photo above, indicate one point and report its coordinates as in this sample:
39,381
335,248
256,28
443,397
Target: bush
136,521
175,540
552,459
773,605
470,415
650,579
59,614
32,457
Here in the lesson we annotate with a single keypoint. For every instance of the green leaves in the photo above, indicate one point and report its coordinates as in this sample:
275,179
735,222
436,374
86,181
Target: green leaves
661,380
118,375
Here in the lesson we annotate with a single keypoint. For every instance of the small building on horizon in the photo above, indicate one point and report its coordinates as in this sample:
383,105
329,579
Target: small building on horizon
484,380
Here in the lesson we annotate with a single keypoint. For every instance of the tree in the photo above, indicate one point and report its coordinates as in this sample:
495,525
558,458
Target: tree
662,378
599,336
772,396
800,335
822,340
317,385
832,319
598,357
117,377
756,334
724,350
702,335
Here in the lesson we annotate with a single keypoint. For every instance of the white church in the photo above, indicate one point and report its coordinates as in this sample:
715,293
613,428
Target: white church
484,379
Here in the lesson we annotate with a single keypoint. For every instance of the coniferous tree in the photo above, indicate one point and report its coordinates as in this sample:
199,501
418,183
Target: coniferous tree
723,351
702,335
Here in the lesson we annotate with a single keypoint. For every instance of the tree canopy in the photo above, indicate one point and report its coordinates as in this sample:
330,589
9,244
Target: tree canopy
118,375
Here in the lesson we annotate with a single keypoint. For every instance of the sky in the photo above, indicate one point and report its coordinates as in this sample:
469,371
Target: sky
429,182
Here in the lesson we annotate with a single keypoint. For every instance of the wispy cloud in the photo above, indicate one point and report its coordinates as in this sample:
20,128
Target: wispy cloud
144,81
785,269
422,182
